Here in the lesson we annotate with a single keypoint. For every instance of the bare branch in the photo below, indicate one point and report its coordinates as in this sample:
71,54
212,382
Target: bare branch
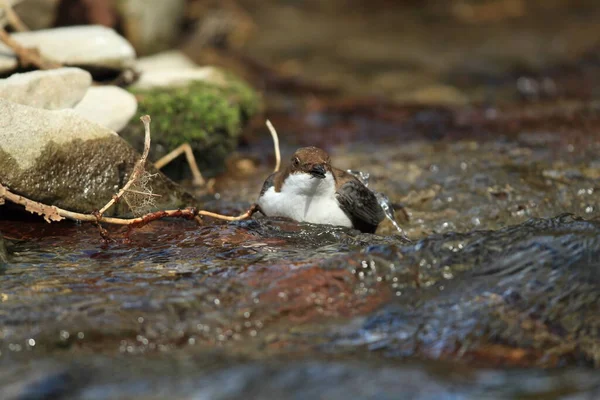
49,213
275,145
189,155
27,56
138,169
251,211
53,213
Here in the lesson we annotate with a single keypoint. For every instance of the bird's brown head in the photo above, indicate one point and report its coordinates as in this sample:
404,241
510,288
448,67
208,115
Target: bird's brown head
310,160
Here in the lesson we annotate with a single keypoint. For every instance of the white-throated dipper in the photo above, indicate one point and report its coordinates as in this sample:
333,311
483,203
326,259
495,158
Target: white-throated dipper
311,190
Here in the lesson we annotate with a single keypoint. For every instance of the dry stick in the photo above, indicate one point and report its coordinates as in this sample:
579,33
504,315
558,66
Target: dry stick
12,17
138,169
53,213
253,209
275,145
189,155
27,56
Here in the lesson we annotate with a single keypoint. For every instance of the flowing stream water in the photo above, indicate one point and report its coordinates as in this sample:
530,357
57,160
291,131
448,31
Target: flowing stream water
494,293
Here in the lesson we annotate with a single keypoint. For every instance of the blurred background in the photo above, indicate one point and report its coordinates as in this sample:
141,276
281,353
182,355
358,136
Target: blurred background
445,52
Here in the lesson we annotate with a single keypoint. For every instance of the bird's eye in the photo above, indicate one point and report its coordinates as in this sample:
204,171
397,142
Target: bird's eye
296,161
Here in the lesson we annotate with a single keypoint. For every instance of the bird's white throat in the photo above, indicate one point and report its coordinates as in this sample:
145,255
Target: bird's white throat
305,198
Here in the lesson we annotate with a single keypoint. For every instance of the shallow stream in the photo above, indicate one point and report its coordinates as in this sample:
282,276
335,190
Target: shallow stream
497,294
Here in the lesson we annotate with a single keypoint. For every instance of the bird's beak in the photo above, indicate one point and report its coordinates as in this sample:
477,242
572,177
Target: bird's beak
318,171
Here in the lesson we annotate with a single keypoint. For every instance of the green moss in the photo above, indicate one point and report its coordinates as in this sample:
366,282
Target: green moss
191,114
209,117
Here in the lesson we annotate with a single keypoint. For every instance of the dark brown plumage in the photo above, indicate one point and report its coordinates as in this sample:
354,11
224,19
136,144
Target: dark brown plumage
358,202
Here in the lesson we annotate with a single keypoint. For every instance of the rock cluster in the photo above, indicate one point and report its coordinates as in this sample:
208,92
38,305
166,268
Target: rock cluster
58,130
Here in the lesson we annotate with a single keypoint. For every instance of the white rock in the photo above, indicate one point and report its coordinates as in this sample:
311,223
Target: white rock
167,60
52,89
179,78
97,46
26,131
109,106
173,69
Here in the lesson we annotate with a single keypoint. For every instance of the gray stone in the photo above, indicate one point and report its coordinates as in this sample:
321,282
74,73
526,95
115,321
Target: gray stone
60,158
86,46
109,106
52,89
173,69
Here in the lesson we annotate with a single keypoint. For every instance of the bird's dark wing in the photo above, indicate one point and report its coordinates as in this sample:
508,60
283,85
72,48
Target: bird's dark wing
361,205
268,183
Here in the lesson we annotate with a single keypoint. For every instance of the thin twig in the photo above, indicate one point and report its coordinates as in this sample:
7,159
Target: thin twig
143,193
12,17
251,211
27,56
36,207
138,169
53,213
275,145
189,155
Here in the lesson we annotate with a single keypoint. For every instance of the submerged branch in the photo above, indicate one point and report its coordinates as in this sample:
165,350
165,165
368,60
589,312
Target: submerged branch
251,211
53,213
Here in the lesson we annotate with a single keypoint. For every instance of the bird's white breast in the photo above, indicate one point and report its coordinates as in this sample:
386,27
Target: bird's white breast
305,199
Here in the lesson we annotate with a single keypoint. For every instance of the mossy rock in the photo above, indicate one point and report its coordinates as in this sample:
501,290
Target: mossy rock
209,116
62,159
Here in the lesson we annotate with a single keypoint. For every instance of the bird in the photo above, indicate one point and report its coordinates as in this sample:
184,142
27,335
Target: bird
311,190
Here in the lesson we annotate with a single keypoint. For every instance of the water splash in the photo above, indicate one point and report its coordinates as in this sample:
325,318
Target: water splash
382,199
363,177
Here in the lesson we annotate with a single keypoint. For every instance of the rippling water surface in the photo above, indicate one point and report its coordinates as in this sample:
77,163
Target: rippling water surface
496,295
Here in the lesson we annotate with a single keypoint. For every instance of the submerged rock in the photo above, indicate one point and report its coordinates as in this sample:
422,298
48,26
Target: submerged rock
209,115
52,89
60,158
109,106
84,46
